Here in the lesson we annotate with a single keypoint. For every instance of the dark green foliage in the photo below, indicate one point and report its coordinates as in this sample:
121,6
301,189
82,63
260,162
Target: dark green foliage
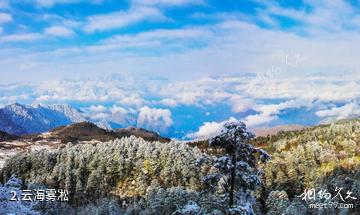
6,137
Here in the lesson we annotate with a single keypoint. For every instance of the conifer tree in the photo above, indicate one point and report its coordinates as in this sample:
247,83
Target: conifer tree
238,173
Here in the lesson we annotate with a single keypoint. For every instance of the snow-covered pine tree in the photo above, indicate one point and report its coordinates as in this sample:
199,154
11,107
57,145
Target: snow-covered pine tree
236,172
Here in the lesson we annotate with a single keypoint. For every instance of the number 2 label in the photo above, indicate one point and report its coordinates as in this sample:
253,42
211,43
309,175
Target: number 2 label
13,198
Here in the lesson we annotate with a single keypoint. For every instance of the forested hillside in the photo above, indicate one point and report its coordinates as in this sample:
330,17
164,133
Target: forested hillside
125,168
322,157
134,176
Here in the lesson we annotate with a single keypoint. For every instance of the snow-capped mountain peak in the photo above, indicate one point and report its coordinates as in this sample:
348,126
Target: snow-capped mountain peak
73,114
23,119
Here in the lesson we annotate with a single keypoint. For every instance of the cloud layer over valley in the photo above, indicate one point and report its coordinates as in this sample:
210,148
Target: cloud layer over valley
181,67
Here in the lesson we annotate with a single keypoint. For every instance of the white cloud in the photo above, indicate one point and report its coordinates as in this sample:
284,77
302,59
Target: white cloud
50,3
59,31
227,50
4,17
21,37
113,114
230,51
325,87
169,102
4,4
100,116
118,110
322,16
91,90
209,129
241,104
169,34
196,92
133,99
319,78
336,113
168,2
26,65
271,109
259,119
122,19
160,38
97,108
269,112
122,116
154,119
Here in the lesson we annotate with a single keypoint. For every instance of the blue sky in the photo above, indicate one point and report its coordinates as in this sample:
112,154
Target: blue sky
183,67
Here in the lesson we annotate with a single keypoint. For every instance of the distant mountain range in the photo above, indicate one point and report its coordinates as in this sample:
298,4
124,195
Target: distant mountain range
82,132
60,122
264,131
17,119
